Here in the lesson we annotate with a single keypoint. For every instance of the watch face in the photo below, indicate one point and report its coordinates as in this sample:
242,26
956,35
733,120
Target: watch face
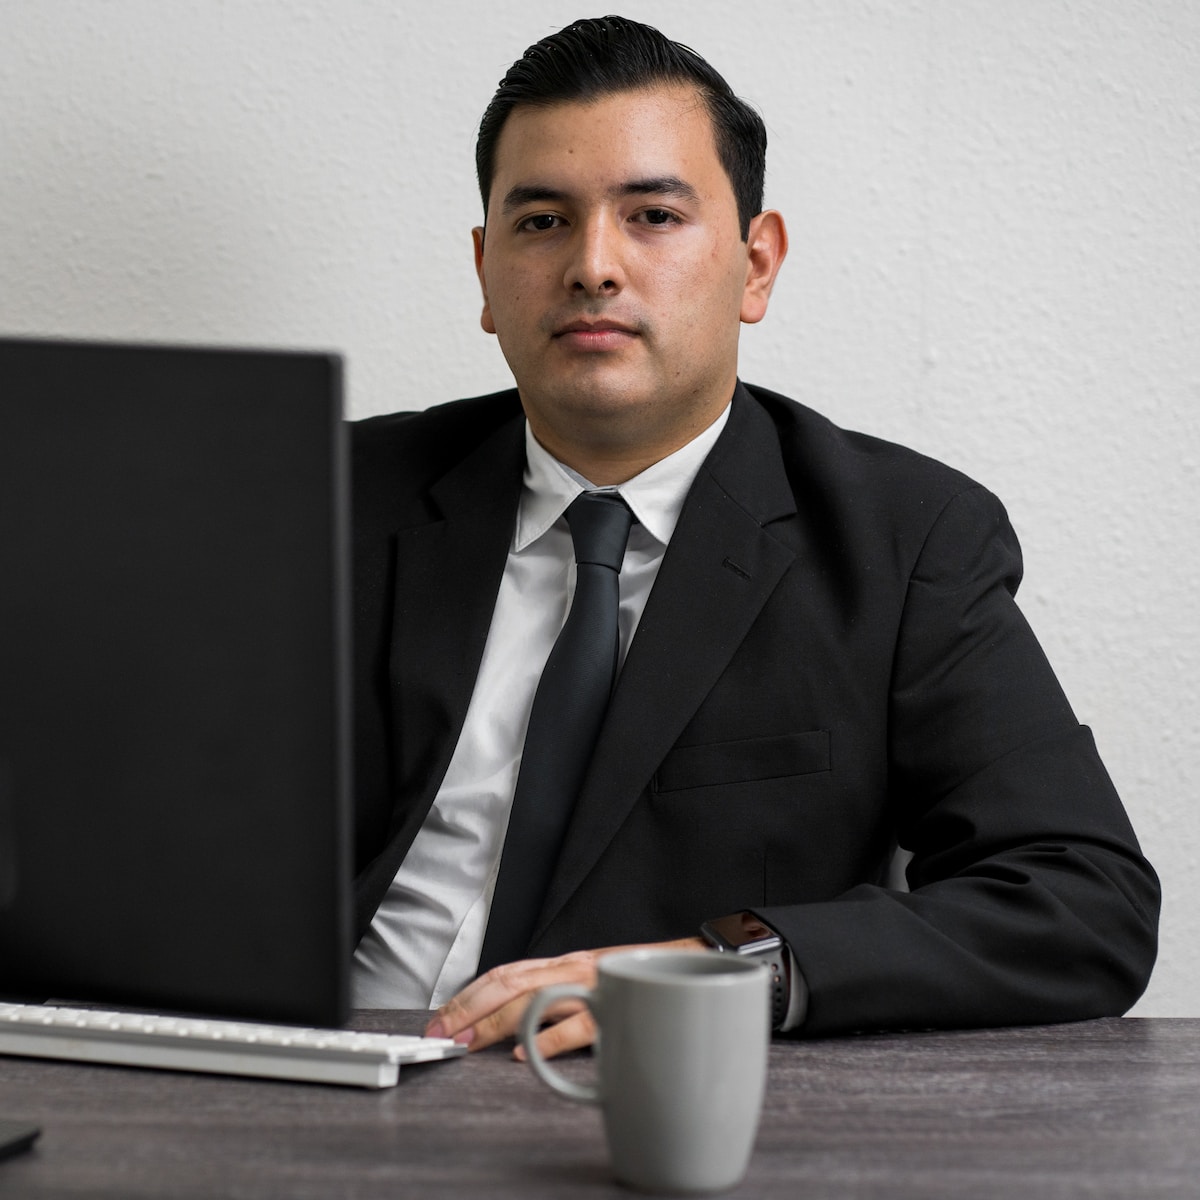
743,932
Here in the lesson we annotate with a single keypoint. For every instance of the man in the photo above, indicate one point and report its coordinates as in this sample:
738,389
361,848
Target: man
822,659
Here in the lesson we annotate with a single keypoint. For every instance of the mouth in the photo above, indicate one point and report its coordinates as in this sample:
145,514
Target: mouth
583,334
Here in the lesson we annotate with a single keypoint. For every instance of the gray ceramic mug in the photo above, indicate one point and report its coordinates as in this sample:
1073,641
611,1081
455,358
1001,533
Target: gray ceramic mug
681,1060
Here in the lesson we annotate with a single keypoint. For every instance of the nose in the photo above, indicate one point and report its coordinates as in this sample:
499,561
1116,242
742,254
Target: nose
595,267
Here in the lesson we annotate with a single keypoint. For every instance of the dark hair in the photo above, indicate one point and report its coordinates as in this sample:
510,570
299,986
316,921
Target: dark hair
605,55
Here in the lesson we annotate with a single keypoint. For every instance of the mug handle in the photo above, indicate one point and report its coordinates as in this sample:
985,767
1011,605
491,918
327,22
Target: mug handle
529,1026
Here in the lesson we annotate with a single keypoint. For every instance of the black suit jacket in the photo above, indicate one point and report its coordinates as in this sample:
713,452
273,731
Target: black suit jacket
831,663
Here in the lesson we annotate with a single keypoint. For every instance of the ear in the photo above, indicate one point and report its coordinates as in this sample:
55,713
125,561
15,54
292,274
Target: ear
766,248
485,318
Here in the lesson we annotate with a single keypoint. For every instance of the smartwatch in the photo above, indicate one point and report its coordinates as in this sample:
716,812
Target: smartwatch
744,934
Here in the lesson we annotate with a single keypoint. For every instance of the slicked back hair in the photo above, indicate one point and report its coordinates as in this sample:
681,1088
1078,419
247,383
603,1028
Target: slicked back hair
603,56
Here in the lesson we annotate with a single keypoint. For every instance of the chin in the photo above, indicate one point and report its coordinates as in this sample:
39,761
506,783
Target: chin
605,406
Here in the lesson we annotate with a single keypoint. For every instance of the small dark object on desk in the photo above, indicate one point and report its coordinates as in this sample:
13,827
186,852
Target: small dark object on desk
15,1137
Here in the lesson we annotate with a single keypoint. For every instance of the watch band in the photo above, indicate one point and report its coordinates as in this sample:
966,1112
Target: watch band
748,936
776,961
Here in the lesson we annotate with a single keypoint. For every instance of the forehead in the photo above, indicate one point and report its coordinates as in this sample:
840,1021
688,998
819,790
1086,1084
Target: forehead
648,132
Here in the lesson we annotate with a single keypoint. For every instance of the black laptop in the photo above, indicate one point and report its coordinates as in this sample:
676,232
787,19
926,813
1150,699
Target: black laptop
174,691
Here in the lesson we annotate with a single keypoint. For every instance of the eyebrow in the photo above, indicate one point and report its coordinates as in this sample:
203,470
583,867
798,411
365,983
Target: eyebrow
658,185
662,185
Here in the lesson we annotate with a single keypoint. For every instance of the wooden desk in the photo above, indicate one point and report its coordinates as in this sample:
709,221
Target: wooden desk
1100,1109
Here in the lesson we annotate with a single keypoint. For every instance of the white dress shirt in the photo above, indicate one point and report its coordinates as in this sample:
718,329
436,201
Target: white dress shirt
424,942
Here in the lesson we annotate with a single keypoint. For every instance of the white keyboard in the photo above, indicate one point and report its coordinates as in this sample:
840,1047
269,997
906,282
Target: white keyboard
225,1047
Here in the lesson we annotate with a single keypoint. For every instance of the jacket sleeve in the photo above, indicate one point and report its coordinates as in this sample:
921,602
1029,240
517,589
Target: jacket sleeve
1029,899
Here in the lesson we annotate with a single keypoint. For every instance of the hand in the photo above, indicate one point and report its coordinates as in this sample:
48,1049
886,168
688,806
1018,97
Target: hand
490,1008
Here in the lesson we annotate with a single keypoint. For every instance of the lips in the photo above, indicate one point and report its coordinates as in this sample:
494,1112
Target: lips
594,335
584,326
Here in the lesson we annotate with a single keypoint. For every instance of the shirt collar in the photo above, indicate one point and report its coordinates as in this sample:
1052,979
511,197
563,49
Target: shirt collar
655,496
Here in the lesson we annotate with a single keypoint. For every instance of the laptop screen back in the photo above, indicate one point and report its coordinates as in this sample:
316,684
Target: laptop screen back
174,734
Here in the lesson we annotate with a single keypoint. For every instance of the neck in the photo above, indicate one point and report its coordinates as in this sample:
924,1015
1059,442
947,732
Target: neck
609,462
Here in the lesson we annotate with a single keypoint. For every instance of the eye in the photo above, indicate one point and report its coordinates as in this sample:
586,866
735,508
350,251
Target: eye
658,216
540,222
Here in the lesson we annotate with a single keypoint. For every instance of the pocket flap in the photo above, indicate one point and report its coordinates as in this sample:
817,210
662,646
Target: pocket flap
745,760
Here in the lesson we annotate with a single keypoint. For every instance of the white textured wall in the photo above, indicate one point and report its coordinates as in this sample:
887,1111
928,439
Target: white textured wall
995,218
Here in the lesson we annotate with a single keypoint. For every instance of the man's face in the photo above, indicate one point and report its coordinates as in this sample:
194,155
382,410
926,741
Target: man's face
613,270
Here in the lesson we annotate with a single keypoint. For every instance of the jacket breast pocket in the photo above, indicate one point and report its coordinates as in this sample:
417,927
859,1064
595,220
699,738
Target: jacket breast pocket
746,760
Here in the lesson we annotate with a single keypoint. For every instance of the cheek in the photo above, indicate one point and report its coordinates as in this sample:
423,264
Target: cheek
506,304
706,298
513,295
714,277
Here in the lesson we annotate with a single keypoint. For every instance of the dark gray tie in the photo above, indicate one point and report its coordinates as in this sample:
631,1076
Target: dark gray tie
568,708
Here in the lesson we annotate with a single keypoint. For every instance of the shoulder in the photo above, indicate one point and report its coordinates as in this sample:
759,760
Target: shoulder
832,455
427,443
824,460
397,460
877,499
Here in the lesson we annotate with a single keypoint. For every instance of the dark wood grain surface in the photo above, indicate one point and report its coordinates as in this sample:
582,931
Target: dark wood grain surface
1100,1109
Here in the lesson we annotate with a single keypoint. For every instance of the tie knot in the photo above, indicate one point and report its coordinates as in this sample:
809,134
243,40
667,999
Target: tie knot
600,523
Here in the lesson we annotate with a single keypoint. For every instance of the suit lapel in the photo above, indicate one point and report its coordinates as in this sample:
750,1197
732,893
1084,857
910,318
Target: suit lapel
447,574
717,573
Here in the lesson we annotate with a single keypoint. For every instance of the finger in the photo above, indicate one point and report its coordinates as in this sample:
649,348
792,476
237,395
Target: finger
505,1023
500,1025
562,1010
490,1008
572,1033
480,997
493,1004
